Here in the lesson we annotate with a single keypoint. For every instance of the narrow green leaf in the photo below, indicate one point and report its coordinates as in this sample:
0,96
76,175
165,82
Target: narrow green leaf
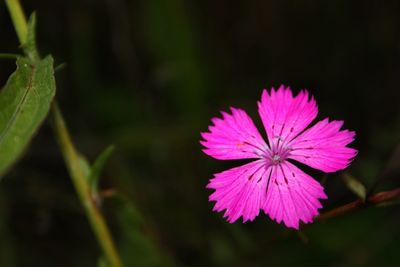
60,67
355,186
98,167
25,101
84,164
29,47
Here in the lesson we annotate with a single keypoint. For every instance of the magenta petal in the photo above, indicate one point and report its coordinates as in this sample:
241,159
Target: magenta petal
284,115
323,146
233,137
240,191
292,196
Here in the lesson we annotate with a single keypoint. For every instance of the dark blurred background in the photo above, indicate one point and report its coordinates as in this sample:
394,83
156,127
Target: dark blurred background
148,75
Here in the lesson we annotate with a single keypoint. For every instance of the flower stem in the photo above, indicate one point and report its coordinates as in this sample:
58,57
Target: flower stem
72,158
78,175
19,20
376,199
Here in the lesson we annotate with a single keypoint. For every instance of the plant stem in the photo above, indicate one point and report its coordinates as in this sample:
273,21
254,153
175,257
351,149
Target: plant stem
8,56
73,160
376,199
19,20
78,175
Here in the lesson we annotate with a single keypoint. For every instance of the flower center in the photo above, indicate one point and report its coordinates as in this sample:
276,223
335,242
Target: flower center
276,159
279,151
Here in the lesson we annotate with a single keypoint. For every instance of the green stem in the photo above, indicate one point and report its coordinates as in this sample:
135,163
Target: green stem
71,156
8,56
19,20
74,165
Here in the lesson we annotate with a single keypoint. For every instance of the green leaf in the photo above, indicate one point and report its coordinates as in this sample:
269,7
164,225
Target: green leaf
98,167
60,67
29,47
84,164
355,186
24,103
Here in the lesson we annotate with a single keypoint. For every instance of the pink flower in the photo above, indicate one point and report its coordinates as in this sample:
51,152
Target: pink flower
271,182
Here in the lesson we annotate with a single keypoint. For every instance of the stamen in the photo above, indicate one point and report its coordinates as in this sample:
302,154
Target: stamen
276,158
279,150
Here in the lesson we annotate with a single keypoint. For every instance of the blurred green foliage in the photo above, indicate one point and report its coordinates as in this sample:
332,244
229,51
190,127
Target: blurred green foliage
148,75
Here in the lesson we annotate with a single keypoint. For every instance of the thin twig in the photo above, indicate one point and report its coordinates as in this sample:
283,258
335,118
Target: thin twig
373,200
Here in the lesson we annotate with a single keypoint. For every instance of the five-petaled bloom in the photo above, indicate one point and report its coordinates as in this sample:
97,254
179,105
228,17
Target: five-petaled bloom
272,183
